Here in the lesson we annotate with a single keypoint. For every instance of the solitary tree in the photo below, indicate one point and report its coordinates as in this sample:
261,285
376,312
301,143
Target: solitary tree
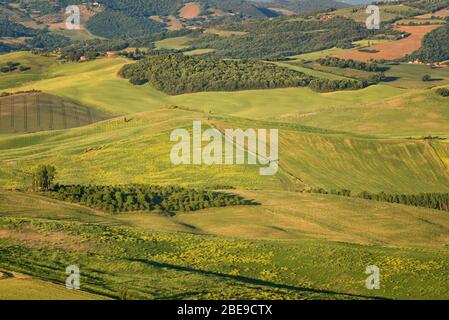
43,177
426,77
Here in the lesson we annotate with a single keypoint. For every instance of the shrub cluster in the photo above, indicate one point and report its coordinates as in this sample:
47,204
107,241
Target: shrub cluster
444,92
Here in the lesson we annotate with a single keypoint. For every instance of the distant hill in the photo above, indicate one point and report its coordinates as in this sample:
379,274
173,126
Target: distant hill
304,6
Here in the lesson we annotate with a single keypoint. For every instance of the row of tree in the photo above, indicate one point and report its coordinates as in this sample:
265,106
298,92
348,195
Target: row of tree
330,85
437,201
144,198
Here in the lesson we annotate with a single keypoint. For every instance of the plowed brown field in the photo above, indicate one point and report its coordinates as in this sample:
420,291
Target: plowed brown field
190,11
395,49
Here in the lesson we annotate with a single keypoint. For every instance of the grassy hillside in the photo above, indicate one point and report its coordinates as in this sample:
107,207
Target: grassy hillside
99,154
39,68
96,84
149,264
32,112
20,287
416,114
287,215
336,161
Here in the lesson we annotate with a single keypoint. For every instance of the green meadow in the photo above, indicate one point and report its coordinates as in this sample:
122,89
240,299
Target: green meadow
414,114
137,263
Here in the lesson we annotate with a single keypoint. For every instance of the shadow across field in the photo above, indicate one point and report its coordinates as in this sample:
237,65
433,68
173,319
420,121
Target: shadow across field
252,281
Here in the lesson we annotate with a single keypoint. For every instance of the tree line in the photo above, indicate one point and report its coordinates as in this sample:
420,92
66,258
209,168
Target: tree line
435,47
437,201
116,199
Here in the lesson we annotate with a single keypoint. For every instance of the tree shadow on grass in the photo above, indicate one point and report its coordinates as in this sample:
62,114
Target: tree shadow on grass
252,281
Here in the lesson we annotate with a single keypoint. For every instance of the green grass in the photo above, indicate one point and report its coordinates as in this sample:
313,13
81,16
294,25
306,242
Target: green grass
178,265
403,75
415,114
198,52
27,288
76,35
317,54
39,67
177,43
258,104
310,71
292,246
410,76
337,161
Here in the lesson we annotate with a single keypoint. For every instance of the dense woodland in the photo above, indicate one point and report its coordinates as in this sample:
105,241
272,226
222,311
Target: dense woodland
145,198
177,74
435,46
278,39
437,201
115,25
9,28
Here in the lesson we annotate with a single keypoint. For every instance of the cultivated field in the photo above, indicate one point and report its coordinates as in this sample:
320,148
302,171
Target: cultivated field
392,50
190,11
